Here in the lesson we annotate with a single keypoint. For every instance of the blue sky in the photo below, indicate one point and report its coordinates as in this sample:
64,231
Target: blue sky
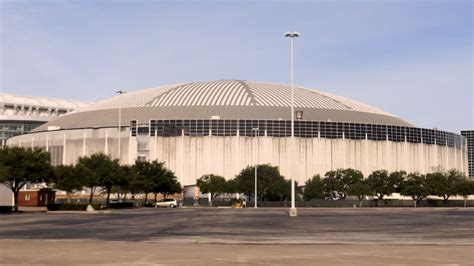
411,58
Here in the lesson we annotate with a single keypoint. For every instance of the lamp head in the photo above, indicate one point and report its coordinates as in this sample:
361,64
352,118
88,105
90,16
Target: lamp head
292,34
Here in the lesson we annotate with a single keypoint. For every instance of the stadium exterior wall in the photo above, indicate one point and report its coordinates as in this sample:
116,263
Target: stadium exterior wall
190,157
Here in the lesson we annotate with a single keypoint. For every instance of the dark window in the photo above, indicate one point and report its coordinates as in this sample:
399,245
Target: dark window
133,127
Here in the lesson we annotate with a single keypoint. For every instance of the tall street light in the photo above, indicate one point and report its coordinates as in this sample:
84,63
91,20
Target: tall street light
120,92
293,211
256,164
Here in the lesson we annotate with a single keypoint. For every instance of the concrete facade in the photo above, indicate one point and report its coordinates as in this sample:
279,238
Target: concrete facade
190,157
223,126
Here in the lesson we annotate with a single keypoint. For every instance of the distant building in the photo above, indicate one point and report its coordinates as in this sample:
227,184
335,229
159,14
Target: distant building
469,135
21,114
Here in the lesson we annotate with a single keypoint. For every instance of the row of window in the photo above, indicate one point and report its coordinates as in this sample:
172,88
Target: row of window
303,129
8,129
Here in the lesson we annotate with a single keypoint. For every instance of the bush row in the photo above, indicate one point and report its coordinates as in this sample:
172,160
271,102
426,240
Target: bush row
120,205
70,207
6,209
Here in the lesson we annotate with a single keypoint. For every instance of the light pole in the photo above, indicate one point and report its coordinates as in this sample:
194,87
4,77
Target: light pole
256,165
120,92
293,211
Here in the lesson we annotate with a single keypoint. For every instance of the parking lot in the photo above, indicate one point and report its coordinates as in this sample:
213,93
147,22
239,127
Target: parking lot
424,235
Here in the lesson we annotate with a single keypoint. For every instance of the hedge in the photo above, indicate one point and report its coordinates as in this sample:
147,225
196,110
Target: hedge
6,209
70,207
120,205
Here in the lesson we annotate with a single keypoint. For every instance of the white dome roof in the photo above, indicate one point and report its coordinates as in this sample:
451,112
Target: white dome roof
229,99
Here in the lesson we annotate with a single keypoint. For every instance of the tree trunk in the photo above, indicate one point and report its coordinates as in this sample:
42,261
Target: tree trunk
414,202
465,201
156,194
146,198
91,196
15,200
212,198
360,203
108,197
445,200
68,197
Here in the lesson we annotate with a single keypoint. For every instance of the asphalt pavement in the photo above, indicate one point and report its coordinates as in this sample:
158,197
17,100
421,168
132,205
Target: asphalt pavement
262,226
241,236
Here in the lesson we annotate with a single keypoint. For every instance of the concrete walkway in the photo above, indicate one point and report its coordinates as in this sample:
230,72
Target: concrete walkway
142,253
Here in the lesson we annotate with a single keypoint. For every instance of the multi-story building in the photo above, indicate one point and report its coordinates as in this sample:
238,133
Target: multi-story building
469,135
21,114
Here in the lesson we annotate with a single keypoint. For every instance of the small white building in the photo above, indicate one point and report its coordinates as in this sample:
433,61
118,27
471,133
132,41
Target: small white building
6,196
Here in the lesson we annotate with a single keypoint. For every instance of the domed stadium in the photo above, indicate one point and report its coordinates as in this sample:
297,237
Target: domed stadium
222,126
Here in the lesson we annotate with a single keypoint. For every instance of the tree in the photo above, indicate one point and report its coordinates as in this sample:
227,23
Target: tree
337,182
464,188
147,174
169,184
154,177
271,185
415,186
280,189
245,181
384,184
156,174
213,184
136,183
360,190
314,188
65,178
19,166
110,178
442,184
122,181
231,186
396,179
98,170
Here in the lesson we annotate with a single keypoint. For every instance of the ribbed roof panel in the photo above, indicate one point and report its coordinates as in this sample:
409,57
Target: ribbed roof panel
239,99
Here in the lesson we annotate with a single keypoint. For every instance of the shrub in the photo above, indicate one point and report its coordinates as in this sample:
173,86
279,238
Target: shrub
6,209
124,205
71,207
